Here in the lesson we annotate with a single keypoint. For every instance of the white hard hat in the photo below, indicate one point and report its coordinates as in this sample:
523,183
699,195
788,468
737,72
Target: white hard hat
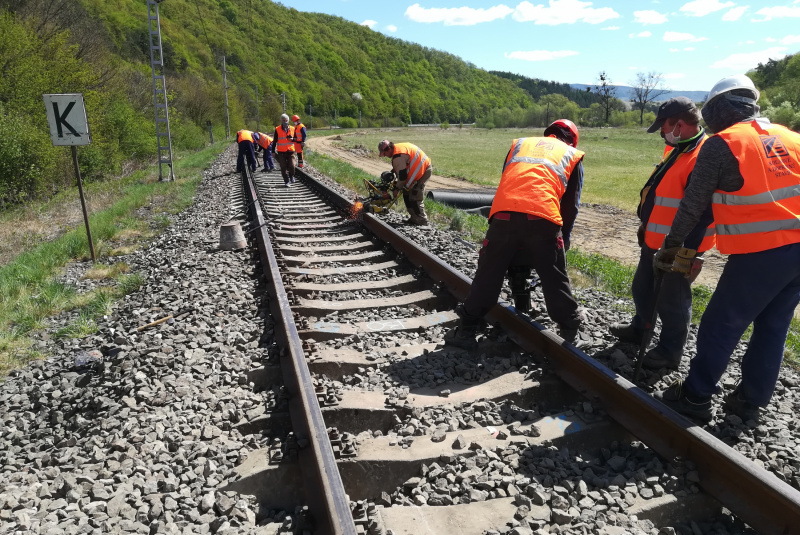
737,81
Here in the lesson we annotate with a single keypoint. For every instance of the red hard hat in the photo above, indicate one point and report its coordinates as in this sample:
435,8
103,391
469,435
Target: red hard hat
295,118
563,129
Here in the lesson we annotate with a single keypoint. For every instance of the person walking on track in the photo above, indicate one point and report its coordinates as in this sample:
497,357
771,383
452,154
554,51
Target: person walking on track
413,168
299,139
244,140
263,142
749,172
678,120
283,149
530,223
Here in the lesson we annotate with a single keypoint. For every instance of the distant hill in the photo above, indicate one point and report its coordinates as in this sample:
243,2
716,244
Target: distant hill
625,92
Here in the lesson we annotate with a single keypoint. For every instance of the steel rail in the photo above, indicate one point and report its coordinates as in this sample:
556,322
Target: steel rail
752,493
325,493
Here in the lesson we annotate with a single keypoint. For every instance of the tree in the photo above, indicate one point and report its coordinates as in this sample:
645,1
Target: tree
646,89
606,92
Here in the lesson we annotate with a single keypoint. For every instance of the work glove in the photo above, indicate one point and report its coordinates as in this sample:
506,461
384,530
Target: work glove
697,266
640,235
683,261
664,258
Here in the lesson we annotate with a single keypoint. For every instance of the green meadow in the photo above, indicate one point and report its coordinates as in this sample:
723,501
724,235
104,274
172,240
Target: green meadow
616,165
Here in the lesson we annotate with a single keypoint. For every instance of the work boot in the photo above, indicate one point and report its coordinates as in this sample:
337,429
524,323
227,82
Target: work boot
736,404
626,332
462,336
678,399
569,335
656,360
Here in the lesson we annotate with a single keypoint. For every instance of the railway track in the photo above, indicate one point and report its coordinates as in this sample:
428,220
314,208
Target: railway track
380,427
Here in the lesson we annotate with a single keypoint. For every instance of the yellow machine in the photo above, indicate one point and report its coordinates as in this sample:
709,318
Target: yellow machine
382,193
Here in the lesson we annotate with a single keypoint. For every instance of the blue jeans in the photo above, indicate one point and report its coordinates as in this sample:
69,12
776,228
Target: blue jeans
760,288
674,305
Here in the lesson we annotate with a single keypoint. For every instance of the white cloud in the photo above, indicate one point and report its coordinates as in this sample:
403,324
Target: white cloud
678,36
778,12
457,16
640,34
610,28
649,17
563,12
391,28
701,8
540,55
369,23
747,61
790,39
673,75
735,13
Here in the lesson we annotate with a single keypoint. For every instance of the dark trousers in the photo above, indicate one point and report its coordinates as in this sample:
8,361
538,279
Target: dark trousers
760,288
268,164
674,304
286,162
414,198
521,241
246,151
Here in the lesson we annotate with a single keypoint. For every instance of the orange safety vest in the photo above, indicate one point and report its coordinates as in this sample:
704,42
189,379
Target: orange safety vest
535,177
765,213
264,140
298,145
285,143
418,161
244,135
669,193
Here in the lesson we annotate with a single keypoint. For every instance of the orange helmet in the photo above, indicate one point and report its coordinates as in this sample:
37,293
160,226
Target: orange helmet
295,118
563,129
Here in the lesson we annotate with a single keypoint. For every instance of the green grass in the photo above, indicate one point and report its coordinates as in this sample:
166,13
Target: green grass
29,292
617,162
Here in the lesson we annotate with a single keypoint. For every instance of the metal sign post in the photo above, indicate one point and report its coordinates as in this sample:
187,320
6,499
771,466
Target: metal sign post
66,115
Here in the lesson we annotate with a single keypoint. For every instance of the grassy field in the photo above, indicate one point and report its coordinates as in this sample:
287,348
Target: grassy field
616,165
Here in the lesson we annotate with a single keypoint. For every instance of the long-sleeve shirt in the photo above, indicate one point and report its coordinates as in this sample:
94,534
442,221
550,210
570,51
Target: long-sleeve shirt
716,169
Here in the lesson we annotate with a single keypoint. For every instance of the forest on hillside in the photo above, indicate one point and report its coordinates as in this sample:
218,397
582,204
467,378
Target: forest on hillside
324,68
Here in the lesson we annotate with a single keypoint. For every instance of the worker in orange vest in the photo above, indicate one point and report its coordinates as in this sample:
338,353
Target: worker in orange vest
283,149
530,224
678,119
413,168
749,173
244,140
263,142
299,139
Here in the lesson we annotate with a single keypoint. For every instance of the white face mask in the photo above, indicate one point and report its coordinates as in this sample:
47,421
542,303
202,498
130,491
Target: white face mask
671,139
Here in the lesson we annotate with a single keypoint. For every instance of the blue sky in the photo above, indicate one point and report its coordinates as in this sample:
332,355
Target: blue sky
692,44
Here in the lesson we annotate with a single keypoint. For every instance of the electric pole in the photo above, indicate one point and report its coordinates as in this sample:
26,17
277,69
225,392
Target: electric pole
310,119
258,125
163,138
283,99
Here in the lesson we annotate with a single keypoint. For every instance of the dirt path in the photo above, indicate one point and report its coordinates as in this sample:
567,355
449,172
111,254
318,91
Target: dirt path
600,229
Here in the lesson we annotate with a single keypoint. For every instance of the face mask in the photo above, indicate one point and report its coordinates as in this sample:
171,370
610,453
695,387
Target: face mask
671,139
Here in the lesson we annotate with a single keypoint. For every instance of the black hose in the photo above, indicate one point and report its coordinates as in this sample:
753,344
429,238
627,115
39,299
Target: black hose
462,199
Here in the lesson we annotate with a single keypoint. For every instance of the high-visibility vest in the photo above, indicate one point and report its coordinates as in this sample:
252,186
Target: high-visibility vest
418,161
244,135
285,143
298,131
668,195
535,177
264,140
765,213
